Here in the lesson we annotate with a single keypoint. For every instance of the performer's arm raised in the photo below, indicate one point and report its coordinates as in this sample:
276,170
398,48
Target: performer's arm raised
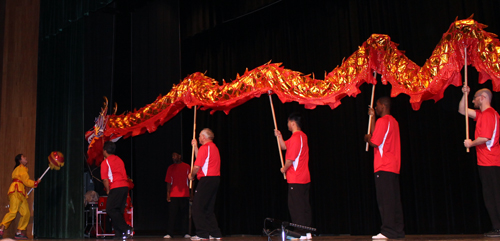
194,143
461,107
371,112
277,133
368,137
25,179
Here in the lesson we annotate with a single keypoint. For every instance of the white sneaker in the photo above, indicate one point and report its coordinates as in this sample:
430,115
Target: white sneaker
218,238
167,236
379,236
198,238
187,236
307,236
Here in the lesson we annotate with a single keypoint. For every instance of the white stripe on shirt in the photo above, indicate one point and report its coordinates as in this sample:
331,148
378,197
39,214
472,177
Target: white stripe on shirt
381,146
110,173
205,166
490,142
296,162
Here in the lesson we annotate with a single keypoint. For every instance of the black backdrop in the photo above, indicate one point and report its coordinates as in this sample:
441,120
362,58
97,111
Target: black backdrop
136,50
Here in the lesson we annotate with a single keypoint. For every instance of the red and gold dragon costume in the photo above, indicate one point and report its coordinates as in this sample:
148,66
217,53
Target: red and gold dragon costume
378,54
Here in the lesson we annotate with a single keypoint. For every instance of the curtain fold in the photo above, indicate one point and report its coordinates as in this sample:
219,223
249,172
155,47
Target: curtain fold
55,15
58,207
59,200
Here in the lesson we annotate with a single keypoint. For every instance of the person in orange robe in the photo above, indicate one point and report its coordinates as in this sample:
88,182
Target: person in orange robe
18,198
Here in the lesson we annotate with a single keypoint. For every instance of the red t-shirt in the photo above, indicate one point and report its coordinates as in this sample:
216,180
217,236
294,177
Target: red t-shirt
113,169
488,154
387,156
177,176
297,150
208,160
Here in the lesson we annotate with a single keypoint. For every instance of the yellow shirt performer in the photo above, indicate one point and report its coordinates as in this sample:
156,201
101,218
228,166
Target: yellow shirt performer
18,198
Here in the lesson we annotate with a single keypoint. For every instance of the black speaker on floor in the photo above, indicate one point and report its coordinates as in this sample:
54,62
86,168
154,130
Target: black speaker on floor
280,228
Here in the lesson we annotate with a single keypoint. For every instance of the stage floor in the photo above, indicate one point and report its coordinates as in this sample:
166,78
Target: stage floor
316,238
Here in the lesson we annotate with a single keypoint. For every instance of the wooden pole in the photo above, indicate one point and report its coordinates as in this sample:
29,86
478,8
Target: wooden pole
192,147
466,99
40,179
371,106
276,127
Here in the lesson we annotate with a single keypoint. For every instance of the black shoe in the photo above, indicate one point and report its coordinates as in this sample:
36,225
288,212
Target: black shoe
119,237
123,236
493,233
129,233
20,236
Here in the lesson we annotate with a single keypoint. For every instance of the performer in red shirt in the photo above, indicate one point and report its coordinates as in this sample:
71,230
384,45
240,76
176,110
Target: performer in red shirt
488,151
384,137
207,169
178,195
297,173
115,180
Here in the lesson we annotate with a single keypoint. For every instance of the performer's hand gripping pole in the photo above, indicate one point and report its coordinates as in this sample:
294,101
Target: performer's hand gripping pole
48,168
192,151
276,127
371,106
466,99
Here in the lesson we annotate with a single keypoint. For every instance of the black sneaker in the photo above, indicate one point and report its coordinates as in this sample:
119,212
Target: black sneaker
122,236
20,236
493,233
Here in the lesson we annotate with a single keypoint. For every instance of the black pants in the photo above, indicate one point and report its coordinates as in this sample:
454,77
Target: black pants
178,211
389,204
115,206
203,207
490,180
298,205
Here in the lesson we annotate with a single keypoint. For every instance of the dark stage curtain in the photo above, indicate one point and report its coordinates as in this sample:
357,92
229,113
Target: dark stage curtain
440,188
131,54
60,104
155,68
57,15
59,200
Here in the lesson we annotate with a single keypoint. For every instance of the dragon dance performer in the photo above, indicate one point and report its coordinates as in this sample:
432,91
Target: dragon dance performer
297,173
18,199
178,196
117,185
207,169
488,151
385,139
